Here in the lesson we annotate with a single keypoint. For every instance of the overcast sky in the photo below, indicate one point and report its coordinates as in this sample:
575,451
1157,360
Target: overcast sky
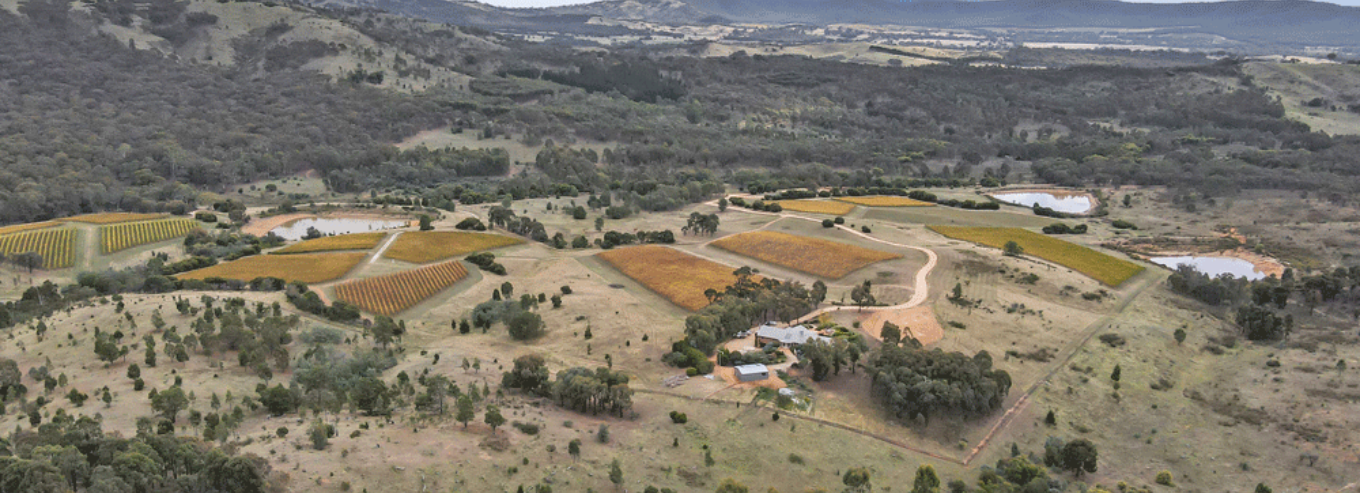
551,3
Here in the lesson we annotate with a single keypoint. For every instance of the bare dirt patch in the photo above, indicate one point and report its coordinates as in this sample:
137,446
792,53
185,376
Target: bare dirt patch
919,321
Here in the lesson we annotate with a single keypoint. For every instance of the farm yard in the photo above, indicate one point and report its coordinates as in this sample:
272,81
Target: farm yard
113,217
832,207
56,246
1108,270
824,258
389,294
117,237
885,201
305,267
357,241
675,275
429,246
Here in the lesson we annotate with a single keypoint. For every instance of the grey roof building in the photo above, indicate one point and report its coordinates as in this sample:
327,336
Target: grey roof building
752,373
788,336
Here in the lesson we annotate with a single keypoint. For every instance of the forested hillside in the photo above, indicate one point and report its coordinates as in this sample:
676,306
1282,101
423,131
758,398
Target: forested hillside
96,124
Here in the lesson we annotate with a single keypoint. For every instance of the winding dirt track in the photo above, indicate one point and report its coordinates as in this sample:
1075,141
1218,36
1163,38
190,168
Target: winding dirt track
919,295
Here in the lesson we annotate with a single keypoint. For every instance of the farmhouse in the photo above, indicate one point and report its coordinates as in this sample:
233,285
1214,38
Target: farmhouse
752,373
787,336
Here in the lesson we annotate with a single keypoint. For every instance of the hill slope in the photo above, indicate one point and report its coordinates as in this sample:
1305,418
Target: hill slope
1249,25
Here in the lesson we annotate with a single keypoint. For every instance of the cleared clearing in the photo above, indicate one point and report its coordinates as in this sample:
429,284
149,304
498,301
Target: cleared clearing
305,267
428,246
357,241
675,275
825,258
1099,266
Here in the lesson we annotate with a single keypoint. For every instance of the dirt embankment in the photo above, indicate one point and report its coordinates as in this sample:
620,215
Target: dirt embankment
262,226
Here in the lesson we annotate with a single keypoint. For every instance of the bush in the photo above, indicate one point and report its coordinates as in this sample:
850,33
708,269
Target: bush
828,223
679,418
526,428
282,431
206,217
525,325
1122,224
471,223
1164,479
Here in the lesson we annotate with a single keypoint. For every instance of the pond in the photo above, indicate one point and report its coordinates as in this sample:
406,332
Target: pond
1213,266
1069,203
295,230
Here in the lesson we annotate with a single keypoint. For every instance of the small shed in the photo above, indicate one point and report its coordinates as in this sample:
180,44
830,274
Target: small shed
752,373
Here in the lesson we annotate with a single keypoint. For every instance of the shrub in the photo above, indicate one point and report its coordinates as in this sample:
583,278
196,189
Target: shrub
320,434
679,418
282,431
602,434
1164,479
1122,224
526,428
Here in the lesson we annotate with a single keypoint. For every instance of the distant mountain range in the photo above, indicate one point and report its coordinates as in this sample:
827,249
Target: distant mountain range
1295,23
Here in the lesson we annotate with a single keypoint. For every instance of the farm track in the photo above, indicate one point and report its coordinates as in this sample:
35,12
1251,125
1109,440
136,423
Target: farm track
810,419
1067,354
383,249
921,289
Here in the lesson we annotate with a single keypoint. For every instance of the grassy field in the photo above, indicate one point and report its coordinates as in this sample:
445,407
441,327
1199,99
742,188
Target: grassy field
357,241
429,246
829,259
113,217
817,206
387,295
305,267
1099,266
885,201
57,246
19,228
675,275
116,237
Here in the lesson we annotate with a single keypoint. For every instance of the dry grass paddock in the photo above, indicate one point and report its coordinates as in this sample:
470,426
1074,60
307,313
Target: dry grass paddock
429,246
885,201
832,207
357,241
305,267
675,275
387,295
1108,270
825,258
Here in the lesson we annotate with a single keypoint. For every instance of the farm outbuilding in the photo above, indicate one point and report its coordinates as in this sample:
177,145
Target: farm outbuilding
752,373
